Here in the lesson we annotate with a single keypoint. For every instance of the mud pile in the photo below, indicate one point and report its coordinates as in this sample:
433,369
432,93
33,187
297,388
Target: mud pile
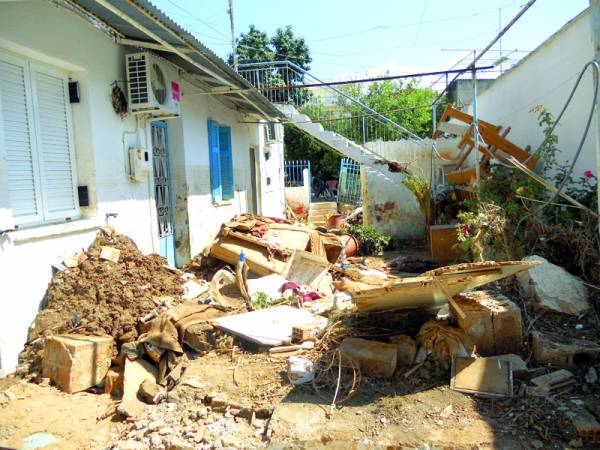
103,297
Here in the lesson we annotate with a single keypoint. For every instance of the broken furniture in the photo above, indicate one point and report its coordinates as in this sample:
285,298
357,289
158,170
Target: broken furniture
492,144
269,245
424,291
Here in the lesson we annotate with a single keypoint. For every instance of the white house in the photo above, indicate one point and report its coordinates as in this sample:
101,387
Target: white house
545,77
196,153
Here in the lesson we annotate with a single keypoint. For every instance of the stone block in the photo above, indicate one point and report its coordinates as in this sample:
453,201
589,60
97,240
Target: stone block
407,349
561,351
552,288
113,383
377,359
491,320
77,362
148,392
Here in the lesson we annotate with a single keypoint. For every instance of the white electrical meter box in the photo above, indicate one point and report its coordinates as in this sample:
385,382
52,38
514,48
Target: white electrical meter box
139,164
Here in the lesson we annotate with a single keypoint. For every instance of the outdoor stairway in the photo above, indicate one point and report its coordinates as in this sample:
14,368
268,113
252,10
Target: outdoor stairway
341,144
493,145
318,213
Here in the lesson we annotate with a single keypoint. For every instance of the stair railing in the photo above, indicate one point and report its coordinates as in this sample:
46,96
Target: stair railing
335,108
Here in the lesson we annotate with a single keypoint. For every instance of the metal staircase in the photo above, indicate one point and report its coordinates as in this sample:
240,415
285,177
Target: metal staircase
331,115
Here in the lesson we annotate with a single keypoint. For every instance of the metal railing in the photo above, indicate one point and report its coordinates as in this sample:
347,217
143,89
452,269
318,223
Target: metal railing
294,172
335,108
349,186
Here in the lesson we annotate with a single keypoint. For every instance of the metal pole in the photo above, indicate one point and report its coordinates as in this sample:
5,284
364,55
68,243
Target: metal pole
595,7
500,40
233,44
476,132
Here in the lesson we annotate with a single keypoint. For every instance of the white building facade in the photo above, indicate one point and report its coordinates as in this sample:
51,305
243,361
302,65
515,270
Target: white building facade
546,77
68,160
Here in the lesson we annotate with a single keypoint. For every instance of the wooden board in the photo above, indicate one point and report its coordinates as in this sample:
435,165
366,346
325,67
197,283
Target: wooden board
482,376
270,326
306,269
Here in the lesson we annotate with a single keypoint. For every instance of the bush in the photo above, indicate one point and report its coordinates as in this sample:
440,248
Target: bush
371,241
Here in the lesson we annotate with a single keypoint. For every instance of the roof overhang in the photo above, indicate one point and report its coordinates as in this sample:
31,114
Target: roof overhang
140,24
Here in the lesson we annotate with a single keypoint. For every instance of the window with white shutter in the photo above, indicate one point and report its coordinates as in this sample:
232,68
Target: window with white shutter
35,116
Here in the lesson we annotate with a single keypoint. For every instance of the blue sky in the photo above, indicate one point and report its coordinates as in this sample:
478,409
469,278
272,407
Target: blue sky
350,38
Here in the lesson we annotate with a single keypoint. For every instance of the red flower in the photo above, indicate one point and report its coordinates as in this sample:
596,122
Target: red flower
464,229
588,174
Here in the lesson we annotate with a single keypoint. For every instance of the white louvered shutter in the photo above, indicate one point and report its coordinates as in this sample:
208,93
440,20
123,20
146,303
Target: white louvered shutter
19,141
55,146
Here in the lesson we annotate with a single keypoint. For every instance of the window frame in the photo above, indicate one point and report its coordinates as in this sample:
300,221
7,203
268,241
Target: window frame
43,215
215,161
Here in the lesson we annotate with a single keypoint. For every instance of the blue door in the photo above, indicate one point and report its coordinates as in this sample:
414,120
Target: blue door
163,194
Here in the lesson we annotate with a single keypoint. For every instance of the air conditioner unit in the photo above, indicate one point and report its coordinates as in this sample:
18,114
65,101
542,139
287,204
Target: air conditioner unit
152,86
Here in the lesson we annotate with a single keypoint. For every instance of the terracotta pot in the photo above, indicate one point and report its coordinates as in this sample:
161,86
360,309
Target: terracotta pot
335,221
350,243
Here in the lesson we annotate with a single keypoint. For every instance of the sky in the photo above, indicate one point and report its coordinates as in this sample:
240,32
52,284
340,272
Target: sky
356,38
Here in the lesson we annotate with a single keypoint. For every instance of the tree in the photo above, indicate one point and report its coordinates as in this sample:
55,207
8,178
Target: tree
253,47
299,145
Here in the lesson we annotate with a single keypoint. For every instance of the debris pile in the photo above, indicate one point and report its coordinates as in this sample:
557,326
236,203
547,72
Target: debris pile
280,310
103,297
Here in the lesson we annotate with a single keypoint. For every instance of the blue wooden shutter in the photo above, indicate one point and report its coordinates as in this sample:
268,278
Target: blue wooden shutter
226,162
215,161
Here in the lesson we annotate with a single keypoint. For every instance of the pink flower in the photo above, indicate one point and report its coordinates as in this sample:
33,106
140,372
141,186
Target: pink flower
464,229
588,174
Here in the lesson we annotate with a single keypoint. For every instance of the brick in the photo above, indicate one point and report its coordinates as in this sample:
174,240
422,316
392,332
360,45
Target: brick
77,362
377,359
113,383
407,349
561,351
492,322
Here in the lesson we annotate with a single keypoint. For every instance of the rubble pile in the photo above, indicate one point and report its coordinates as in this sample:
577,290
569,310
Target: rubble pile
203,361
99,297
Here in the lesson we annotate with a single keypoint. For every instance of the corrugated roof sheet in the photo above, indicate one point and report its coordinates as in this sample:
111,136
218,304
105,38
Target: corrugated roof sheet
156,21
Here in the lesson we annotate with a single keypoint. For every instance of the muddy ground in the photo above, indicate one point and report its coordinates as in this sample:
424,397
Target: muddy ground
420,411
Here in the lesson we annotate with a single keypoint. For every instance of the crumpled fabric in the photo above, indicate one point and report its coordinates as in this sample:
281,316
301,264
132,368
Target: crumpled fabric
164,335
307,294
444,341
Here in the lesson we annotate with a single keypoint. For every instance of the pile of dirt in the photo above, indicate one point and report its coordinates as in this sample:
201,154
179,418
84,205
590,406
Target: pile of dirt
103,297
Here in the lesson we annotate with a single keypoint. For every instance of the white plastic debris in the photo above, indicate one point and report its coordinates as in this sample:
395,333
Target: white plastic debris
300,370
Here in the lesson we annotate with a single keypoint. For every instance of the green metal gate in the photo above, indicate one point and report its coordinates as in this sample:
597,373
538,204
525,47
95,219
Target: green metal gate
349,187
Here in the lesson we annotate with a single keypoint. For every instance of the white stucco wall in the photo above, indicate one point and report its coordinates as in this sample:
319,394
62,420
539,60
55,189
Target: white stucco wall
65,41
388,205
546,77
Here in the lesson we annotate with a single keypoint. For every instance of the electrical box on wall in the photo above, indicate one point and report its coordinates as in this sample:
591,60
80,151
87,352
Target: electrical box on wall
153,86
139,164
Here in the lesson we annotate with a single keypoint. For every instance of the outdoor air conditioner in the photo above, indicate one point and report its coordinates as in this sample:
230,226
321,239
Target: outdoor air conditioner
152,86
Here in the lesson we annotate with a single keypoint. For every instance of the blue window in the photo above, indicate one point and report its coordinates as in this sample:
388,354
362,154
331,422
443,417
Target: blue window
221,161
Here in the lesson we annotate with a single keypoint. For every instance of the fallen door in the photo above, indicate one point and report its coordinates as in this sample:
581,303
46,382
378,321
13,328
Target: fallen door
162,186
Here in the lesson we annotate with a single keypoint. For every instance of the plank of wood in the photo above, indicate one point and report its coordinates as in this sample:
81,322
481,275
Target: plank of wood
451,300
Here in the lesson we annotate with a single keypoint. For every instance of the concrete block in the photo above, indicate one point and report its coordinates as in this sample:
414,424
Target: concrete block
77,362
113,383
377,359
492,322
563,351
135,373
407,349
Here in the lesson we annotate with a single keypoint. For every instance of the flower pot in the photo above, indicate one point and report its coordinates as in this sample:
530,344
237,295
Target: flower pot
335,220
350,244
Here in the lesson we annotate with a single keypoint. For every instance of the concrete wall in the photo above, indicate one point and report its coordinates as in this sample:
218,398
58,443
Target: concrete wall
65,41
388,205
546,77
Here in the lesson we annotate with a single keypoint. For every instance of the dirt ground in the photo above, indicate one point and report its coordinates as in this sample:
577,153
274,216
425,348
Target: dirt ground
412,412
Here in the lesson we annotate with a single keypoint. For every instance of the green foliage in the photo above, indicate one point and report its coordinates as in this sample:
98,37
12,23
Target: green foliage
508,223
255,46
417,183
263,301
371,241
300,145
